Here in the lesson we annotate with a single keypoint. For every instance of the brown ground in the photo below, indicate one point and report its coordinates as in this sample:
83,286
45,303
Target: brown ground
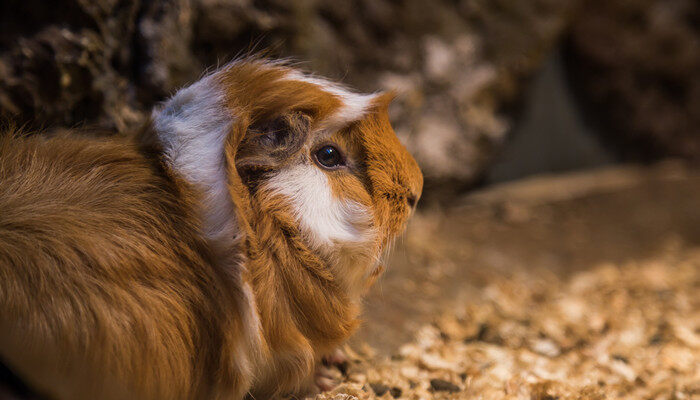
577,286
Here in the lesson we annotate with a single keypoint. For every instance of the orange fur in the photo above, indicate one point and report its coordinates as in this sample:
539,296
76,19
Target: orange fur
109,287
106,287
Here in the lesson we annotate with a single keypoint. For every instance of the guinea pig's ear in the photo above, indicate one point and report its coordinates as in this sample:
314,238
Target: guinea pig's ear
270,142
383,100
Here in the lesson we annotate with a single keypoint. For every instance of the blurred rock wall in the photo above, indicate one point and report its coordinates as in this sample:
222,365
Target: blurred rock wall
457,65
636,67
460,67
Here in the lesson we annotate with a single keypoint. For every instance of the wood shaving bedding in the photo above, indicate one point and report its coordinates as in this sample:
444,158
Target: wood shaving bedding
614,331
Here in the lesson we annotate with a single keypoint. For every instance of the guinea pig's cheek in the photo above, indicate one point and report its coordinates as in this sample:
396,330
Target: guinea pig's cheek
324,218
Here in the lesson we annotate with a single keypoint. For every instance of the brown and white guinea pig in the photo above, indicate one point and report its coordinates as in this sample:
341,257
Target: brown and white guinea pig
222,251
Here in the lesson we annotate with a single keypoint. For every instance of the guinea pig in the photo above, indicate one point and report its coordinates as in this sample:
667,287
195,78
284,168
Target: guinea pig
219,252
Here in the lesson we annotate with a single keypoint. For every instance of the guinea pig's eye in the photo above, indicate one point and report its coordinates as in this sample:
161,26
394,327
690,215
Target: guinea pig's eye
329,157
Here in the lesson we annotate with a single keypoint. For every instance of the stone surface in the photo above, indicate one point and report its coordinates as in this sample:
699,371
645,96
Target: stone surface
67,64
636,66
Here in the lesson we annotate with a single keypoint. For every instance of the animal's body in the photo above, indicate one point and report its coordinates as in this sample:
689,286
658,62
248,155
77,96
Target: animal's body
223,250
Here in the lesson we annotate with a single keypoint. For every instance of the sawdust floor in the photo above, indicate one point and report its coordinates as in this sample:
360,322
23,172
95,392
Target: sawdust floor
577,286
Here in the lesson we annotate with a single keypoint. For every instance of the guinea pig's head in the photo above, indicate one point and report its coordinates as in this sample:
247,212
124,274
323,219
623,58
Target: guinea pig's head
319,158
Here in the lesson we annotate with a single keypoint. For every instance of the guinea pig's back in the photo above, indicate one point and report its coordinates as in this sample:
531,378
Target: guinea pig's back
106,288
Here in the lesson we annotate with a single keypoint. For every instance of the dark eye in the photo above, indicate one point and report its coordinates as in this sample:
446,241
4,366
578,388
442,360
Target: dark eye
329,157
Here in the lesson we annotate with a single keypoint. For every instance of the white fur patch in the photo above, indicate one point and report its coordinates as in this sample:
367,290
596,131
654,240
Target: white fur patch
354,107
192,127
325,219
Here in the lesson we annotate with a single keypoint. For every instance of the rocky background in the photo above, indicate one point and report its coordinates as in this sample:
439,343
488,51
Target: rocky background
461,67
636,67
